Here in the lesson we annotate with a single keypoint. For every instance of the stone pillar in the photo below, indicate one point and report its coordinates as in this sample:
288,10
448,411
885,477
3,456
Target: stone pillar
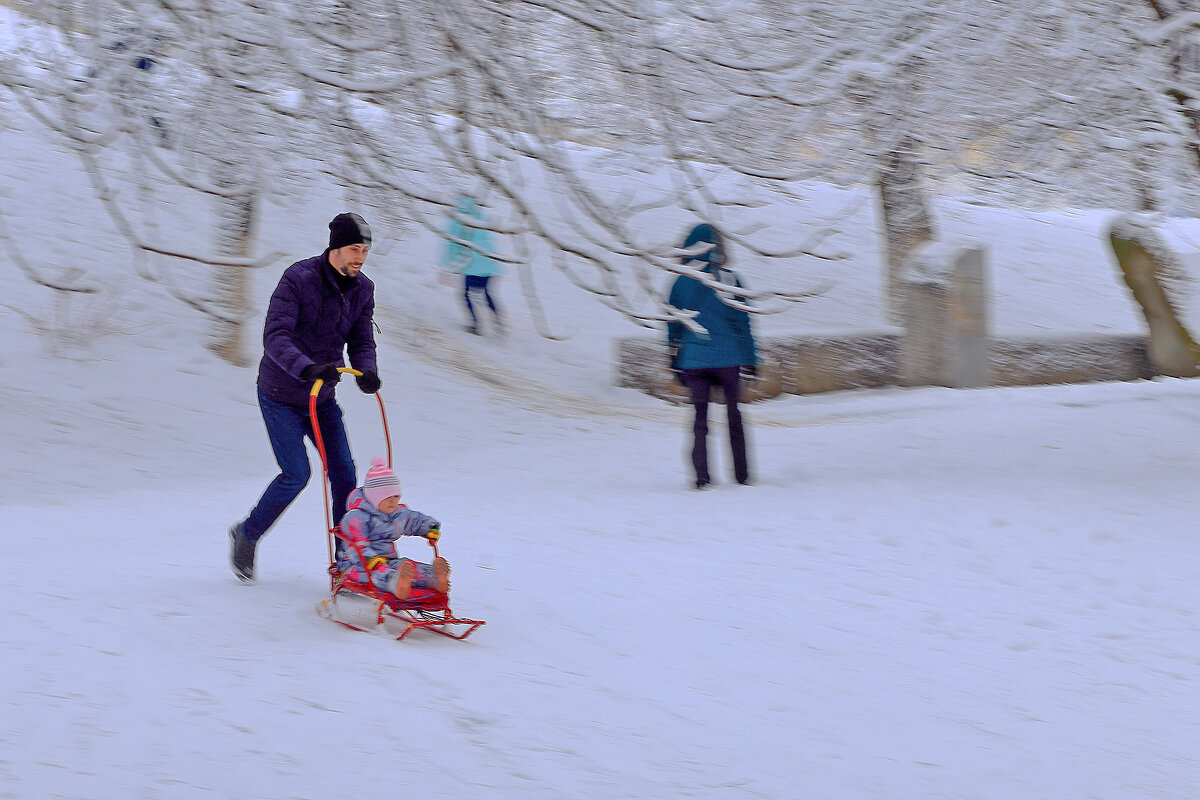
969,362
922,348
945,319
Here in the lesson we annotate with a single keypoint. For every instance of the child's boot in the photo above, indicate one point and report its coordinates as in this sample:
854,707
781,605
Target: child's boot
435,576
441,572
405,574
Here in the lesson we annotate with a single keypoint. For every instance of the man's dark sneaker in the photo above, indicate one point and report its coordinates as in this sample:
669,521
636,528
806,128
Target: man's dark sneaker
241,553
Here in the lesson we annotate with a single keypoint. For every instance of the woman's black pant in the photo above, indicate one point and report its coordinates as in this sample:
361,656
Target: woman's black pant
699,383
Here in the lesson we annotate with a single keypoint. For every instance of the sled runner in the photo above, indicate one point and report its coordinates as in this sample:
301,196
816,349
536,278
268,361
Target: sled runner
361,605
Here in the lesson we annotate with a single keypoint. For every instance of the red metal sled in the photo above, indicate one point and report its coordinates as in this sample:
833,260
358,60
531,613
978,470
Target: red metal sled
377,610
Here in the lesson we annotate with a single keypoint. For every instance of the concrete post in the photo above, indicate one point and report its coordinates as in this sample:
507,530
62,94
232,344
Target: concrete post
969,361
922,349
946,321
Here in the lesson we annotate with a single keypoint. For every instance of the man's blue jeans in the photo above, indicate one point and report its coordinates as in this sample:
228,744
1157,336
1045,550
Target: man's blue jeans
286,428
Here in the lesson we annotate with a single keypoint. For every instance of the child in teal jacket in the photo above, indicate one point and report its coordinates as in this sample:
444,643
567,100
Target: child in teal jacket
476,268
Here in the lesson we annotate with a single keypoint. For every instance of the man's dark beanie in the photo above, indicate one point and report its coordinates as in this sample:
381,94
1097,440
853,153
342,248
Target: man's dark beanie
349,228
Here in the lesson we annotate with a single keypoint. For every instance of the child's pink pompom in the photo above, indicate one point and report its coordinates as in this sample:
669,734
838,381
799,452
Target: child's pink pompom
378,461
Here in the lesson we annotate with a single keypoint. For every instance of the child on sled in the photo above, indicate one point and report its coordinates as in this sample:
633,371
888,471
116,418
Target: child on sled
374,520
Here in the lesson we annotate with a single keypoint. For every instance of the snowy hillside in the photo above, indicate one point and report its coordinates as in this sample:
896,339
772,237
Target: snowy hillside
927,593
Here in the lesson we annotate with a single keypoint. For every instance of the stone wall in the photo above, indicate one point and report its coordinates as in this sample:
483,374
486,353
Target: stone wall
787,365
1032,361
946,342
815,364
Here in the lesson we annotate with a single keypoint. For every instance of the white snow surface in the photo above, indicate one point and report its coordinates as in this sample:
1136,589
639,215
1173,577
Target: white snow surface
926,593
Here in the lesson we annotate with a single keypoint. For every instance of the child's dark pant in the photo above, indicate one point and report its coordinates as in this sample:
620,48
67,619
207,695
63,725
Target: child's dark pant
474,282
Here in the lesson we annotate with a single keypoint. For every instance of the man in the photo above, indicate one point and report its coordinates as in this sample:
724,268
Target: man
322,306
720,356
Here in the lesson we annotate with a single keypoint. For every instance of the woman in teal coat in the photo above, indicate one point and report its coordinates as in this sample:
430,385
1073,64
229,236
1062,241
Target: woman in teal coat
719,356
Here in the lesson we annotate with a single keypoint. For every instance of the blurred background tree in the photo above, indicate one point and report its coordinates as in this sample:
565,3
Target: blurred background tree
587,126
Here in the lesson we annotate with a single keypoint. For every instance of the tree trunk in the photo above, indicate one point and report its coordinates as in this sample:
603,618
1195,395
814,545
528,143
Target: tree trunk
1184,66
238,218
1172,350
907,219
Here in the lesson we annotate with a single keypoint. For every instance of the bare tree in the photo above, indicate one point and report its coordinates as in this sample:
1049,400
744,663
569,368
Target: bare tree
734,104
155,99
595,128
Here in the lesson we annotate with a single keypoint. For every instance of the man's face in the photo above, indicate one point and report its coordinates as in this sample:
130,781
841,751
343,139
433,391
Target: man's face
348,260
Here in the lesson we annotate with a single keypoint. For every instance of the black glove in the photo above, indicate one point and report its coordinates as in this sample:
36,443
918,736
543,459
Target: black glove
327,372
672,358
749,372
369,382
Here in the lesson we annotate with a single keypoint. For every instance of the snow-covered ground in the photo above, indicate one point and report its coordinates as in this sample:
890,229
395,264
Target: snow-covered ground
926,594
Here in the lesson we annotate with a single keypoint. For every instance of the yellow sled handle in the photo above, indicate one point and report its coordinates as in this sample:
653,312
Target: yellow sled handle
319,382
330,522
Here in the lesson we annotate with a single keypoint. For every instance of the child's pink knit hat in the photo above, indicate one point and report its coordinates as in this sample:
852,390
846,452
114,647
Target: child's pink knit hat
381,483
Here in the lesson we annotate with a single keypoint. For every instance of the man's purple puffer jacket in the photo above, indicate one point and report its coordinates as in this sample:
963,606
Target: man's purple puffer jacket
309,321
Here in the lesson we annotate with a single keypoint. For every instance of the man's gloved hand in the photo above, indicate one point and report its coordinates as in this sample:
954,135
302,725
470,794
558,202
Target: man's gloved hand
433,534
325,372
369,382
749,372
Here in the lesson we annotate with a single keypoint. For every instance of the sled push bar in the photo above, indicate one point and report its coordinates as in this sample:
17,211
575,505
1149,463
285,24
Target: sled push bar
320,440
